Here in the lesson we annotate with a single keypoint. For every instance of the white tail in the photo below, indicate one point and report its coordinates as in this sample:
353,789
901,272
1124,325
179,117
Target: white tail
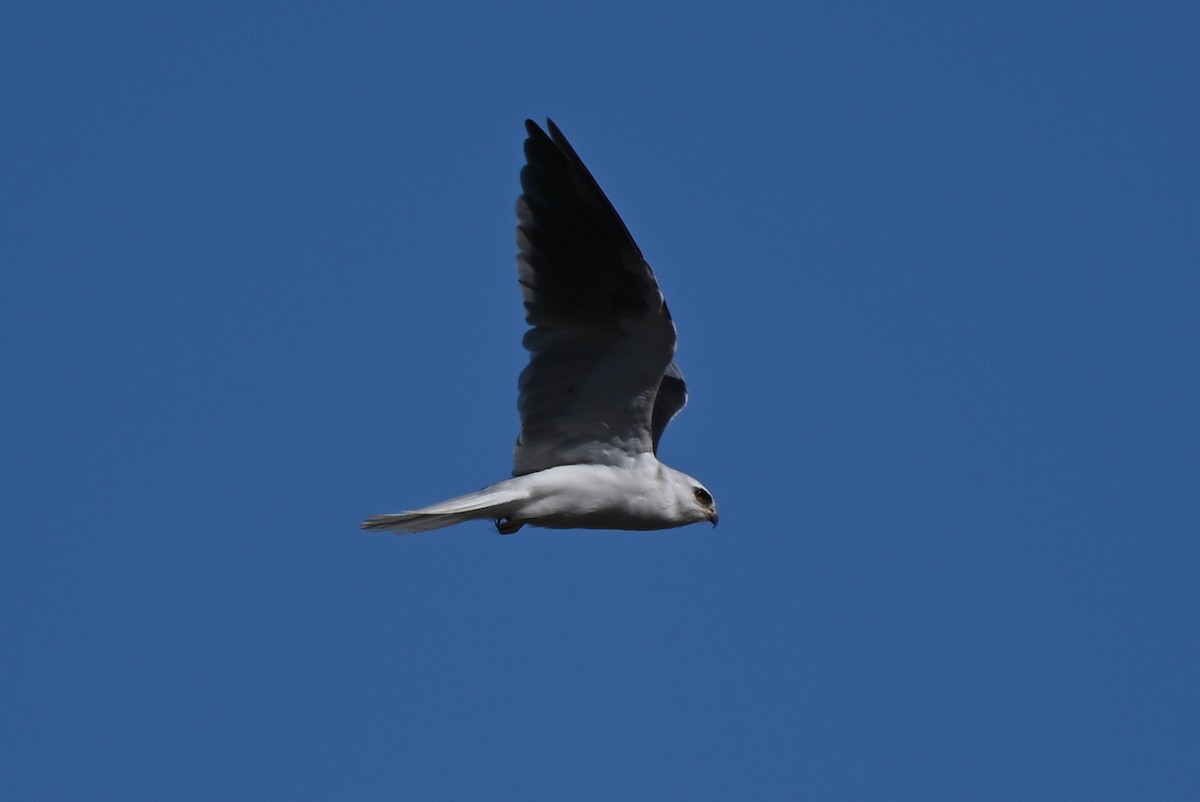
491,502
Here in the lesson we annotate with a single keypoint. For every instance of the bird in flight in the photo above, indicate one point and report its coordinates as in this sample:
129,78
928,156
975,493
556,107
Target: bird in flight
601,383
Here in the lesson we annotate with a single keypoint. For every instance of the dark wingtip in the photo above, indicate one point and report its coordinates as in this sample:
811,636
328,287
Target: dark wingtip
554,136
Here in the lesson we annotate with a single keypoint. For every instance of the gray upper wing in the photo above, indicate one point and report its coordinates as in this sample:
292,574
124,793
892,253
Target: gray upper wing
600,385
672,397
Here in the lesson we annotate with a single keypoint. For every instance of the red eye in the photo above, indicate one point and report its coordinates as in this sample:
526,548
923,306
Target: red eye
702,496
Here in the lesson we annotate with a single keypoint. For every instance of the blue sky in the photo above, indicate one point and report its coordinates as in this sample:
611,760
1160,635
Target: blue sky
936,271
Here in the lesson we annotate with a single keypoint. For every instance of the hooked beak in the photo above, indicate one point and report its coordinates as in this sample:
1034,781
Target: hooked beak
713,517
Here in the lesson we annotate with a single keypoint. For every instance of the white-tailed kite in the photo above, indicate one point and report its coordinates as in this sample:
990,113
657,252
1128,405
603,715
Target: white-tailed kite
601,384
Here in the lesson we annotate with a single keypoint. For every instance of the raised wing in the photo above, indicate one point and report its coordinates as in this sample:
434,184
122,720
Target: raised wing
602,338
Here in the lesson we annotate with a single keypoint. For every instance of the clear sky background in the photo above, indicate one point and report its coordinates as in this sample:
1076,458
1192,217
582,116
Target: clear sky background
936,271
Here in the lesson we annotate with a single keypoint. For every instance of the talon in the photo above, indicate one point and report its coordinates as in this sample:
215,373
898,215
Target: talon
506,526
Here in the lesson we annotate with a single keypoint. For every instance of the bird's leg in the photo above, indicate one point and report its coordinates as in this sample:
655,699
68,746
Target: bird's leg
506,526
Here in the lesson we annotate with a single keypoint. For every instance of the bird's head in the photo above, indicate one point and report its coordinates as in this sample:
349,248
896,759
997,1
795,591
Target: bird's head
705,502
693,502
